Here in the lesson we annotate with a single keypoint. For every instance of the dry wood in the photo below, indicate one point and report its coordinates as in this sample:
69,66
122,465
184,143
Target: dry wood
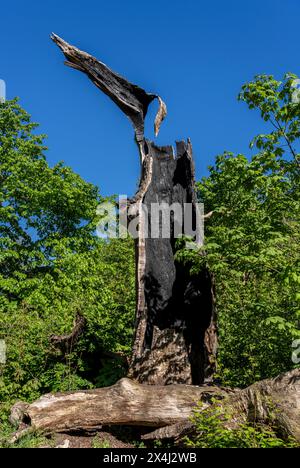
271,402
125,403
175,333
130,98
167,409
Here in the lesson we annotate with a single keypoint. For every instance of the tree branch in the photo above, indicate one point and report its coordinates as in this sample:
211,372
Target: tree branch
130,98
66,342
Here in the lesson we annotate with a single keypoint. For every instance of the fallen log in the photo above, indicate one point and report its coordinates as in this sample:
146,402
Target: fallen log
270,402
125,403
167,409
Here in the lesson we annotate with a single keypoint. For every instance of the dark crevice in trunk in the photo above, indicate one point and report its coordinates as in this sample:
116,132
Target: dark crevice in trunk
178,306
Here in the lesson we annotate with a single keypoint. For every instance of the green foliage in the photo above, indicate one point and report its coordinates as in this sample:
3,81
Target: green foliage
216,427
278,103
96,443
30,440
111,371
252,241
52,266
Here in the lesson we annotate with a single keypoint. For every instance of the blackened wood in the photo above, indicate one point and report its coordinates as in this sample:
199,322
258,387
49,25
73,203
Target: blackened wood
175,333
174,308
130,98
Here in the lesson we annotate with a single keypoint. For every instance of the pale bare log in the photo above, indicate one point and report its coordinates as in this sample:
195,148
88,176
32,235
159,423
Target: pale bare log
167,410
125,403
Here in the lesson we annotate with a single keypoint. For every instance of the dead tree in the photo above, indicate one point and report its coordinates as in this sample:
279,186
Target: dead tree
164,410
175,333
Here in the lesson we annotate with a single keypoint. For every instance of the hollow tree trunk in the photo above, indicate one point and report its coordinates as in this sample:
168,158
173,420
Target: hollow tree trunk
175,335
174,309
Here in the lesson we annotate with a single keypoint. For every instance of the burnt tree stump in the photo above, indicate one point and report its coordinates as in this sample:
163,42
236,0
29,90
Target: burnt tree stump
175,334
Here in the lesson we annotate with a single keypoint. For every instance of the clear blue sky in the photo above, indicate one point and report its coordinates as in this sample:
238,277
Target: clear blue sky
196,54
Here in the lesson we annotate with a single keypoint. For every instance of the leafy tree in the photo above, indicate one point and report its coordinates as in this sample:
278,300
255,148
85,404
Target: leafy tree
252,240
52,265
278,102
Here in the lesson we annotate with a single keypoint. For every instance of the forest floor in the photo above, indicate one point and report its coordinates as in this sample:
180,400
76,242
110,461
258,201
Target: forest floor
100,440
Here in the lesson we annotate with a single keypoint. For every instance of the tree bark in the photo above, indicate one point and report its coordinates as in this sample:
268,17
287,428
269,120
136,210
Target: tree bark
125,403
167,409
174,308
175,335
270,402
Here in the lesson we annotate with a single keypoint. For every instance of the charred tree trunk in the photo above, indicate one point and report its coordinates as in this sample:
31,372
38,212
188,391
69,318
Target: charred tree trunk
174,309
175,336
